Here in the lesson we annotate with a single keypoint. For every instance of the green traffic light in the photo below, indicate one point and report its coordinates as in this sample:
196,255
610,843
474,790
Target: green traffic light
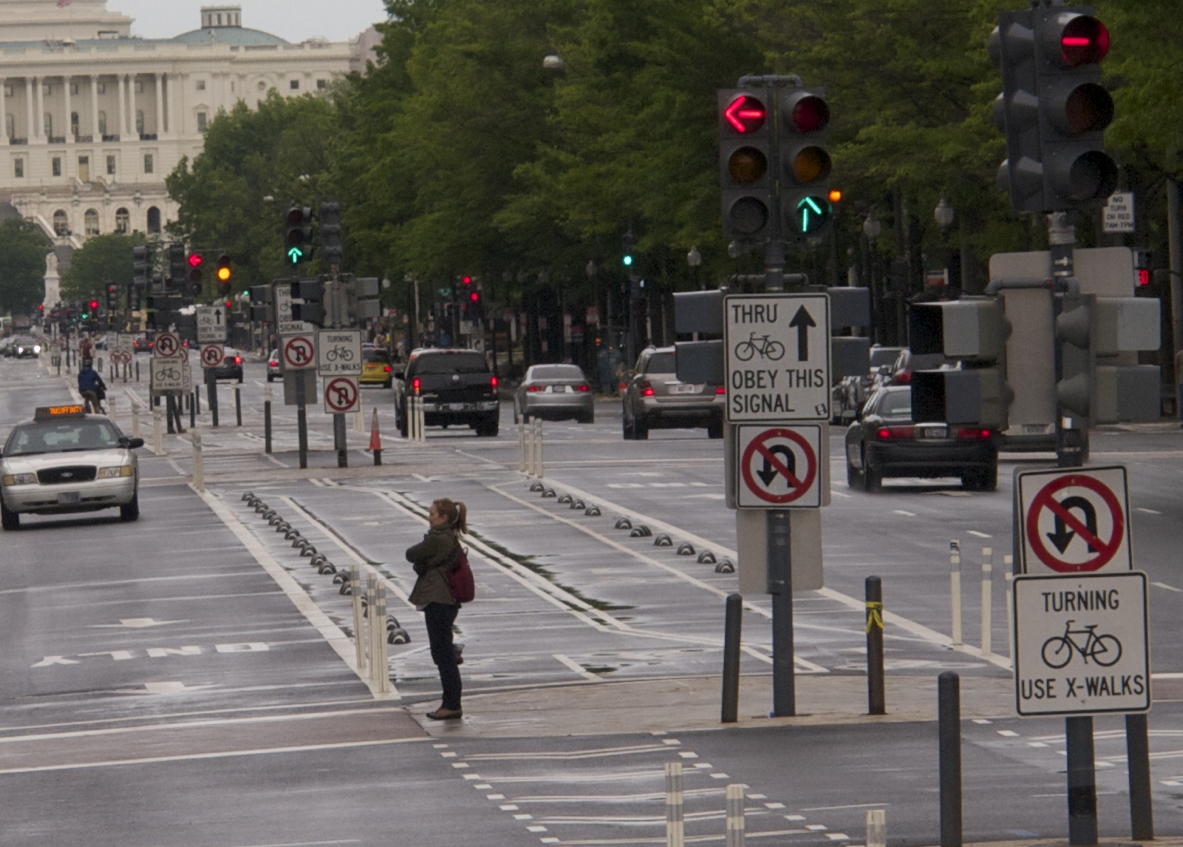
627,260
812,214
295,254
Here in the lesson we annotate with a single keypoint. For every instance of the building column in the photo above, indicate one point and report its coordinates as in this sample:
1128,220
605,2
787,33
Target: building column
3,113
131,110
173,105
30,81
94,109
66,100
121,126
159,105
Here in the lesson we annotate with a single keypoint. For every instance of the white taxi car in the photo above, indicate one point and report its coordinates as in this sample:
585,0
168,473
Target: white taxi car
67,461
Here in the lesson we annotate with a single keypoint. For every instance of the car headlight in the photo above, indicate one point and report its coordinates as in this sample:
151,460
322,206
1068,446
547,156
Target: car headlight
36,348
116,472
20,479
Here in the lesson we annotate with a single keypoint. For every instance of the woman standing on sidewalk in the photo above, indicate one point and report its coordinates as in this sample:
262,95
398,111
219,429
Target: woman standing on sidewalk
433,558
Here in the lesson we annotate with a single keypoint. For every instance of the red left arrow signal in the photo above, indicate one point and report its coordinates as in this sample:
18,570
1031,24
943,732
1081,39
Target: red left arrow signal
745,114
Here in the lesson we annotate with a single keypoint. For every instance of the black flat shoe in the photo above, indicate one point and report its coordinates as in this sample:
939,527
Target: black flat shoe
442,714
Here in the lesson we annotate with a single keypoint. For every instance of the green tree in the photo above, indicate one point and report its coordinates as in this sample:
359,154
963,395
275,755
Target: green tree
23,247
102,260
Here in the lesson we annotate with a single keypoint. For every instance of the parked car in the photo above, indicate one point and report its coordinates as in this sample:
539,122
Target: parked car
655,398
376,368
554,392
273,370
456,386
884,441
852,391
906,362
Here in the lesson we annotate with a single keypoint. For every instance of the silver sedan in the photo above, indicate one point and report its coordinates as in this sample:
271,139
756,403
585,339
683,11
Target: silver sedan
554,392
67,461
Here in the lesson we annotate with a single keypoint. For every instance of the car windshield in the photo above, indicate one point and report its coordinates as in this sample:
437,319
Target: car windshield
446,363
661,363
373,355
61,436
926,361
896,404
881,356
556,372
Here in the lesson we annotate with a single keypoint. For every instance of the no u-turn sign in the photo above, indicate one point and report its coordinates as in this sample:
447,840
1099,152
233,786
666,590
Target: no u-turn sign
782,467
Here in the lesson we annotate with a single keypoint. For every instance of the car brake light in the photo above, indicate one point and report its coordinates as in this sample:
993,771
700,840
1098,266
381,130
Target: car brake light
493,382
902,378
719,389
273,364
533,389
895,433
646,389
583,387
238,360
973,433
415,384
387,368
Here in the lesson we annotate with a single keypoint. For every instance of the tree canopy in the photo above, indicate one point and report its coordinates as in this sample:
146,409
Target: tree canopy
23,248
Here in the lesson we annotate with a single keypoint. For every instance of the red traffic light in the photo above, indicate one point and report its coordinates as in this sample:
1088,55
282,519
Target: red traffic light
474,297
195,260
809,113
1084,40
1143,276
745,114
40,307
94,304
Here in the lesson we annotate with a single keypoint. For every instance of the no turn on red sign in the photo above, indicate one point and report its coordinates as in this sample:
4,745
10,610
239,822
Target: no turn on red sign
782,467
1074,521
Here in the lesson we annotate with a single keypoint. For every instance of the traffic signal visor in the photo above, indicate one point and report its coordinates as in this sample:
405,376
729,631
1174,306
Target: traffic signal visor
744,156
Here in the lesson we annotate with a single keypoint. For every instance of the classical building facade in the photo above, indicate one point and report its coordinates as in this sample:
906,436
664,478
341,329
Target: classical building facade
95,118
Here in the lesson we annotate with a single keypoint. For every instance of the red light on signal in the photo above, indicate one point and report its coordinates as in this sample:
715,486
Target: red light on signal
1084,40
466,280
474,297
195,260
745,114
1143,276
810,114
94,304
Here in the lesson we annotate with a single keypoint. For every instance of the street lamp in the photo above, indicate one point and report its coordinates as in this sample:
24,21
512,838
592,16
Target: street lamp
694,260
871,230
943,215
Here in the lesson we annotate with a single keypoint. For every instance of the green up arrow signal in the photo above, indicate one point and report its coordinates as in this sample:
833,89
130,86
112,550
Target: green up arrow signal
295,254
812,214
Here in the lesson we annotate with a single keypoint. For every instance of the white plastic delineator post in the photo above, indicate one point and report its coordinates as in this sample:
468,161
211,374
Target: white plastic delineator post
358,620
1008,562
135,418
876,828
987,599
735,818
955,589
537,469
157,433
198,462
675,826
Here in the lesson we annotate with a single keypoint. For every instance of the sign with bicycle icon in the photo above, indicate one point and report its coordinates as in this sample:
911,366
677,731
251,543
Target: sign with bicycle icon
338,352
777,357
1081,644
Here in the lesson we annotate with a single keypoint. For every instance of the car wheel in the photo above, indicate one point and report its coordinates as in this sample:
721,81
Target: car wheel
853,478
400,421
271,377
640,429
8,519
487,428
872,476
589,417
715,429
981,479
130,510
240,378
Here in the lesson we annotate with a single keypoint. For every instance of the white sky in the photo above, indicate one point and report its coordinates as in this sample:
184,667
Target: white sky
293,20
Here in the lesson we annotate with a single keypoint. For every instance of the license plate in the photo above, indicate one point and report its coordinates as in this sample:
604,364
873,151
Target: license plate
685,388
1034,429
931,432
457,407
69,498
558,389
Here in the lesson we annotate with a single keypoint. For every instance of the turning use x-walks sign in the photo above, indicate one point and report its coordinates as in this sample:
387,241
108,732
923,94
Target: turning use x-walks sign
1073,521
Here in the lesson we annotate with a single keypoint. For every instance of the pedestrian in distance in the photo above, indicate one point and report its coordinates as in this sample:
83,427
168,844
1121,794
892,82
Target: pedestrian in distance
91,387
433,559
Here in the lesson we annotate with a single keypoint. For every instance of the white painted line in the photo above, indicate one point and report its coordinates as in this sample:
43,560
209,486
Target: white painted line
568,662
979,534
1167,587
1147,511
903,512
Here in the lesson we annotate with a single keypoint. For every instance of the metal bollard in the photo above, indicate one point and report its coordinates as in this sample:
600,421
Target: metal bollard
198,462
876,699
675,826
732,626
238,405
157,433
358,620
267,420
1009,577
955,589
735,821
987,599
135,418
420,421
949,741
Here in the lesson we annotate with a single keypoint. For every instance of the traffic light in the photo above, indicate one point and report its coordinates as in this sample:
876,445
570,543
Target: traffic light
330,232
196,274
744,163
363,298
112,297
298,235
805,163
224,275
1053,108
139,266
177,266
261,302
1099,337
311,291
973,331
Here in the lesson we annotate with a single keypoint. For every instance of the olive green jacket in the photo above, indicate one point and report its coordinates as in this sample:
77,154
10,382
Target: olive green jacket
432,559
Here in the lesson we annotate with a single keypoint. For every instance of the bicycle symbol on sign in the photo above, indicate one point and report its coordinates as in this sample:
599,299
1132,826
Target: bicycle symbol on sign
345,354
767,347
1105,650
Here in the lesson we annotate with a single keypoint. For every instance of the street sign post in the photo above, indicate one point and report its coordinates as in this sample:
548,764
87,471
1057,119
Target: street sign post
777,357
1073,521
1081,644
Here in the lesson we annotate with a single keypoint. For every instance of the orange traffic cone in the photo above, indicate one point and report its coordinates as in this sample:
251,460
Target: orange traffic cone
375,439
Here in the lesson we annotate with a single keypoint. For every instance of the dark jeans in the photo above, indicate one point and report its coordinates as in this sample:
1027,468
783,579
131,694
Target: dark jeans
440,618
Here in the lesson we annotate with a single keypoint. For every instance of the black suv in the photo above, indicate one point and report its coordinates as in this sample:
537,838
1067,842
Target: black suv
456,386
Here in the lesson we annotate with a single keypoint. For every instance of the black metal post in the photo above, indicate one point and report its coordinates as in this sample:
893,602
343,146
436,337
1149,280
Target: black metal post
1082,782
192,409
266,426
238,405
732,624
1138,763
301,421
949,741
876,699
211,386
780,574
339,440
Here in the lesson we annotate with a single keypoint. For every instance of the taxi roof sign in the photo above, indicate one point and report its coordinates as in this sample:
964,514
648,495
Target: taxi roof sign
45,413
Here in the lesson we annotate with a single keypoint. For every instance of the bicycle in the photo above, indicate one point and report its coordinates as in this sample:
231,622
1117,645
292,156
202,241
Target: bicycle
768,348
1105,650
